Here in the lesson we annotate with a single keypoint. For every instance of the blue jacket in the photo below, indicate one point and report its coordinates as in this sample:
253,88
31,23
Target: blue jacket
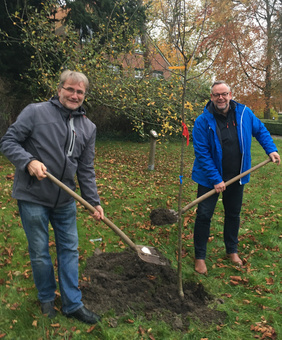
207,169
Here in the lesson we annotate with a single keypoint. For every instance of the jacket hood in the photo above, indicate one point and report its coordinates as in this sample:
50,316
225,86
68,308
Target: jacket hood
80,111
209,106
211,109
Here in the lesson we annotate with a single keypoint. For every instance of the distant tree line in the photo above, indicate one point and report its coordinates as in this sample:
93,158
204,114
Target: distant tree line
96,35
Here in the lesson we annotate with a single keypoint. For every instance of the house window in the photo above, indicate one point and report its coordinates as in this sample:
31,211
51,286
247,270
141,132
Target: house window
86,38
115,69
158,74
138,43
139,73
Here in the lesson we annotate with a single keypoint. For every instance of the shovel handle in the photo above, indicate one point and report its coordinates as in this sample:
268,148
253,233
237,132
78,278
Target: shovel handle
232,180
92,209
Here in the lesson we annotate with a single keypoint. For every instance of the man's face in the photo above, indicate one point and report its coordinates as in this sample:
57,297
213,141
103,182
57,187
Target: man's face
72,95
221,97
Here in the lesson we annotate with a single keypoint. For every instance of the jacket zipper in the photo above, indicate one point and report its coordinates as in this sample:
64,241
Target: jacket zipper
242,142
72,138
69,151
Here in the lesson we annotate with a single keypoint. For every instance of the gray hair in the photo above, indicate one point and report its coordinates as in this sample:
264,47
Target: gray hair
77,77
220,82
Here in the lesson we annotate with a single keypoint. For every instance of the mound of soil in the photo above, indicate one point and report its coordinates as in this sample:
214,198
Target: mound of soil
123,282
161,216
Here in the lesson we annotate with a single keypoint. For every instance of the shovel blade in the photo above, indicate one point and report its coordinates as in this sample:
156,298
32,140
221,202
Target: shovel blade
150,255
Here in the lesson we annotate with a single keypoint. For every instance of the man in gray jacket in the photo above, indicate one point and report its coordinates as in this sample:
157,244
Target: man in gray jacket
54,136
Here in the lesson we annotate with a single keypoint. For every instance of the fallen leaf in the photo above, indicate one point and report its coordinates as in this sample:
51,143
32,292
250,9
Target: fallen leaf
34,323
227,295
247,302
151,277
10,176
113,322
269,281
129,321
236,278
141,330
234,283
89,330
14,306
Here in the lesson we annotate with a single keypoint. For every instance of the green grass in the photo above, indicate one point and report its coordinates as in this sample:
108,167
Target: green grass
129,192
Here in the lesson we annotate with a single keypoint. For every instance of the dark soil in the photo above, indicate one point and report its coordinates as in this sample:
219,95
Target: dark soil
161,216
122,282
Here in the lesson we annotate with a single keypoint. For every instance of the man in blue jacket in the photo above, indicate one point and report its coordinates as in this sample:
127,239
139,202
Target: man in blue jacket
222,137
58,137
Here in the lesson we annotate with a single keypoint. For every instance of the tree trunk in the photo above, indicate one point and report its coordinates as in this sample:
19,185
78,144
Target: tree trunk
267,92
269,58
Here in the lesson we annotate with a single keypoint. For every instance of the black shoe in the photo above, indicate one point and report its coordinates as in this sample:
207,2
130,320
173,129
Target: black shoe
84,315
48,308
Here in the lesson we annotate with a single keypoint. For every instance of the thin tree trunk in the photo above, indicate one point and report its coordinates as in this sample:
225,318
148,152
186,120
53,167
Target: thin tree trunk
180,220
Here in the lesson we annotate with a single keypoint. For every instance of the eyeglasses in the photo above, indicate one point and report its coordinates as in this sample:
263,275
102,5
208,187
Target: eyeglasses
223,95
73,91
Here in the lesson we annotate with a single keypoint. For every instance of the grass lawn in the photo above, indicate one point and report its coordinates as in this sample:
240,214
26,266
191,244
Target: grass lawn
251,296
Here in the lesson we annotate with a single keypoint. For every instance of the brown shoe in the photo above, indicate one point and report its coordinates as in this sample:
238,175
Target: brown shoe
235,259
200,266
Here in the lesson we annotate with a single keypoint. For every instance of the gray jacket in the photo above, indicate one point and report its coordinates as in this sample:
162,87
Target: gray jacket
64,141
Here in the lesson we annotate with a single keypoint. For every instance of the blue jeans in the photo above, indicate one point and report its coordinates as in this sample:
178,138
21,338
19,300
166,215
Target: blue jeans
35,219
232,199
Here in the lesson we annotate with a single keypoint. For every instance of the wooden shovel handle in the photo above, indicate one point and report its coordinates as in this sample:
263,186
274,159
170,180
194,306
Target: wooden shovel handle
232,180
92,209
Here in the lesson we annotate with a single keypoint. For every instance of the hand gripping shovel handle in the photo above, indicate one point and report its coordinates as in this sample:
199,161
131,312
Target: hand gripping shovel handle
92,209
232,180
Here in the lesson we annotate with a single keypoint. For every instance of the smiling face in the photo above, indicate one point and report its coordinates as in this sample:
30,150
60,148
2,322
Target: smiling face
221,96
72,94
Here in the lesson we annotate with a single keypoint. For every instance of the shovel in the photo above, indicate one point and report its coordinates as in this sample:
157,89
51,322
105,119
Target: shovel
147,254
170,214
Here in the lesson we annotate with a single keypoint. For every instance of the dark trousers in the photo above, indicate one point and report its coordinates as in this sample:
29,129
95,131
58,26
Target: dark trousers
232,201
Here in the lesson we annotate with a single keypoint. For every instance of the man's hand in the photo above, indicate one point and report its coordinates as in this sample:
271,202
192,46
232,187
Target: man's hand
275,157
220,187
99,213
38,169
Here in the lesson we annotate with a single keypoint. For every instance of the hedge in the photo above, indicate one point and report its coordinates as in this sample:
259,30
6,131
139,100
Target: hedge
273,126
